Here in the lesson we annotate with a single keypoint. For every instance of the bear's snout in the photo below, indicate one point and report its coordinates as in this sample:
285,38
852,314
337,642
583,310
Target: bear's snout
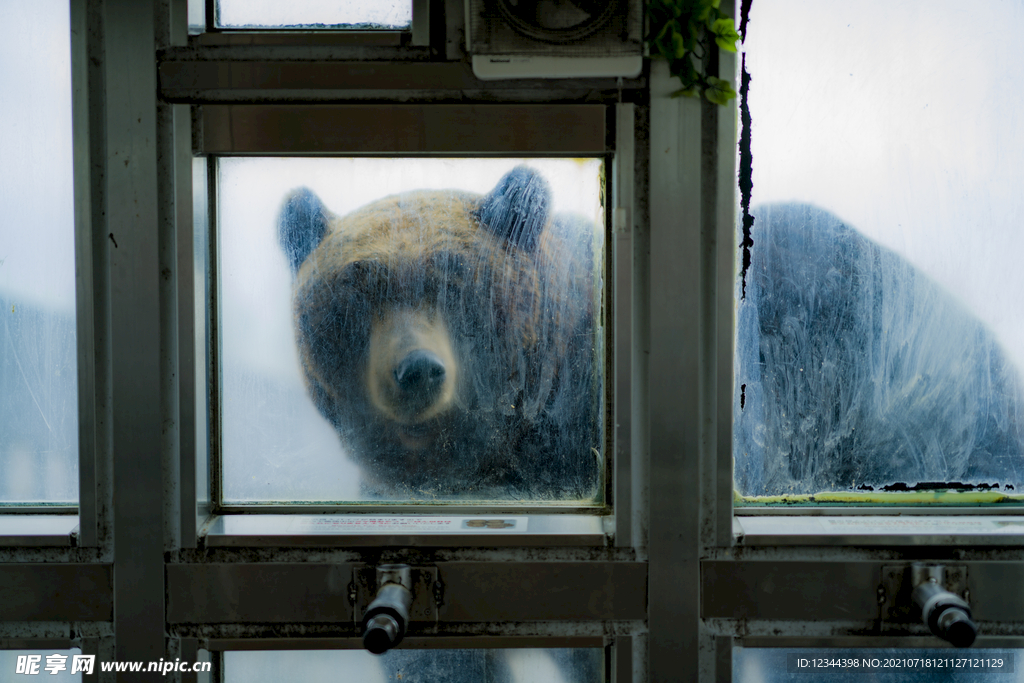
412,367
420,378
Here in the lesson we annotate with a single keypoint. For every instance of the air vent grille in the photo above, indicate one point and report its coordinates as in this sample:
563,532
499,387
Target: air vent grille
555,28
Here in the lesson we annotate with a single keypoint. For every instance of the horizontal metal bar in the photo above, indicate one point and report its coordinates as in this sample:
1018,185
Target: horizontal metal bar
841,590
264,593
415,643
880,531
366,530
878,511
539,591
191,78
790,590
25,530
995,593
56,592
388,508
35,643
403,129
270,593
226,37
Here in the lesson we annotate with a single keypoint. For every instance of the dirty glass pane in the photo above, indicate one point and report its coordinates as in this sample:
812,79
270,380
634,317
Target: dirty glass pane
38,382
418,666
890,665
347,14
53,665
880,339
410,330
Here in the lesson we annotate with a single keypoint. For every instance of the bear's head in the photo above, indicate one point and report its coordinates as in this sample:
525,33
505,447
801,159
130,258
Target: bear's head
449,338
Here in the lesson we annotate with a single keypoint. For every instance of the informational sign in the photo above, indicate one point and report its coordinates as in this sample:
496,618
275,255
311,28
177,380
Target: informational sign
387,524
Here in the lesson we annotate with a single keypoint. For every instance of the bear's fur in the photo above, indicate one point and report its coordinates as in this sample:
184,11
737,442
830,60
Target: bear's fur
854,368
450,340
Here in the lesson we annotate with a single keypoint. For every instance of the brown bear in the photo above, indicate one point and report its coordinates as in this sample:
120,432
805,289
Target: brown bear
856,371
450,339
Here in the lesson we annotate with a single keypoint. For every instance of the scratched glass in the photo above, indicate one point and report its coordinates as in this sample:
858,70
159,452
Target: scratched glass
38,380
880,339
581,665
411,329
352,15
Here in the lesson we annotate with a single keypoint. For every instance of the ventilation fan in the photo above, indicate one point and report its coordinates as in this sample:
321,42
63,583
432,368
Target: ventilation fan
555,38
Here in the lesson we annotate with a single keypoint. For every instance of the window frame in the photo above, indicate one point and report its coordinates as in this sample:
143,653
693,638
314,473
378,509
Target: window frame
612,559
781,578
266,131
674,538
418,34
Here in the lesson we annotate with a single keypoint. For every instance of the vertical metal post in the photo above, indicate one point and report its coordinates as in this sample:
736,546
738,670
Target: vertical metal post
676,349
183,465
622,662
723,659
420,23
640,444
200,458
622,347
214,370
170,383
725,303
131,229
90,284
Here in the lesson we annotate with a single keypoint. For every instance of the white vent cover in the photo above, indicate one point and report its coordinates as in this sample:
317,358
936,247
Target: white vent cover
555,38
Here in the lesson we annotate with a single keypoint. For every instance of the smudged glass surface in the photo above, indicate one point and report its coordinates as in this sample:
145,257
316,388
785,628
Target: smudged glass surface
889,665
419,666
38,367
880,335
303,416
350,14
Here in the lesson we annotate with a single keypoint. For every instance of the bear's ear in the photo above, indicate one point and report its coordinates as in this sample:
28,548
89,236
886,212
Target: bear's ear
301,226
517,209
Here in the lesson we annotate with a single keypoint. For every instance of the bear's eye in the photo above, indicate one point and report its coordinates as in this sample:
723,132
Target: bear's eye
450,267
367,276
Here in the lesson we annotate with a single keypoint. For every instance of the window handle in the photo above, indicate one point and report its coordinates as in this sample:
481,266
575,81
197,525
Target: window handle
387,617
946,613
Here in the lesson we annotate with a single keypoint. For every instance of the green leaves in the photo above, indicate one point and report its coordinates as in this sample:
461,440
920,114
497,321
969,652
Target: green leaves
719,90
680,30
725,34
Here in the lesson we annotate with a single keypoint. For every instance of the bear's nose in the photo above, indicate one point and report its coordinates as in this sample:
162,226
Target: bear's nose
420,376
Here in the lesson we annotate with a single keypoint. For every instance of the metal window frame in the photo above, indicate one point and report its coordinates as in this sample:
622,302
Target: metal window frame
419,26
143,500
139,308
619,631
569,130
779,577
672,574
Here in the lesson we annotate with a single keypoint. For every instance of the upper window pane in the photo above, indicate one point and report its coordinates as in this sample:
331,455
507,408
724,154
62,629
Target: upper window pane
411,329
880,335
38,370
334,14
